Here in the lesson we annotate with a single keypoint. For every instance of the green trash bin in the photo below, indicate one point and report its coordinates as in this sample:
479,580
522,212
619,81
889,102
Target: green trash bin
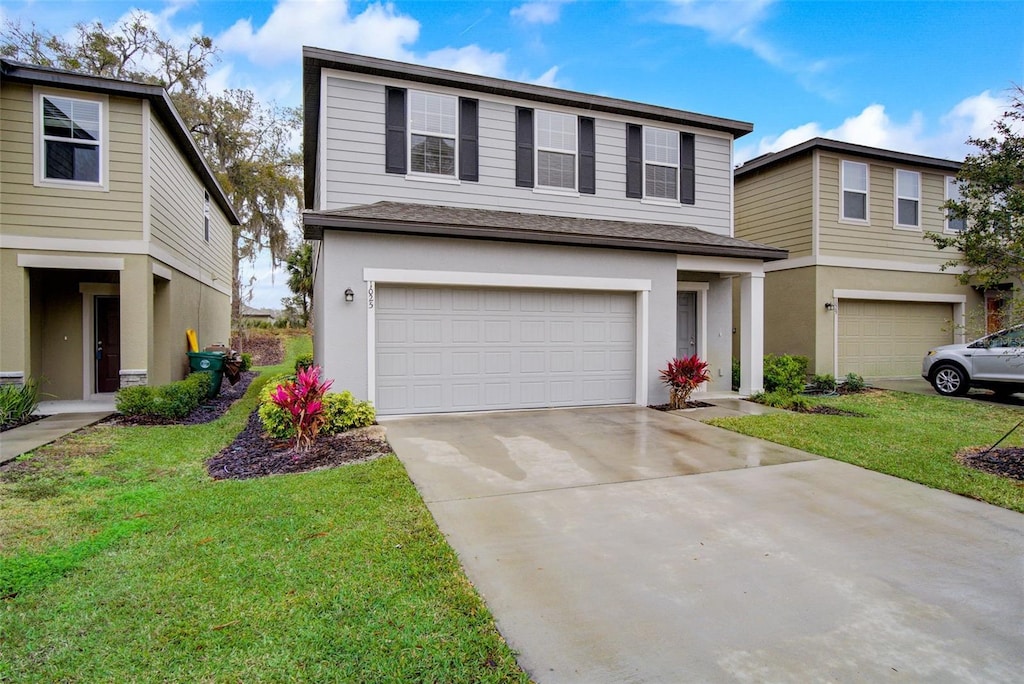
212,362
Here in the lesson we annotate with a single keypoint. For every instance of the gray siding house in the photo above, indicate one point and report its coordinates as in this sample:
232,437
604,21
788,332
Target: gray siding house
484,244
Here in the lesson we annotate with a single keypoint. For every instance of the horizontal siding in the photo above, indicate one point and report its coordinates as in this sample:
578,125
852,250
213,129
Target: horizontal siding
880,239
775,206
69,213
176,206
354,173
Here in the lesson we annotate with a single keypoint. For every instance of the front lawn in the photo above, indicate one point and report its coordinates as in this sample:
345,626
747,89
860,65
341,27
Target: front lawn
121,560
910,436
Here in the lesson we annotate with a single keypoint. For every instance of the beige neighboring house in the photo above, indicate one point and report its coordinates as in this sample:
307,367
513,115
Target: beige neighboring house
115,238
862,290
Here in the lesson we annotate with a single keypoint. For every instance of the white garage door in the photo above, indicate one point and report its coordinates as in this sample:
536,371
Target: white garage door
476,349
880,339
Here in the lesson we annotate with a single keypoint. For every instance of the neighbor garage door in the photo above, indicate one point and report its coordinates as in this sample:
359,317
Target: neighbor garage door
473,349
879,339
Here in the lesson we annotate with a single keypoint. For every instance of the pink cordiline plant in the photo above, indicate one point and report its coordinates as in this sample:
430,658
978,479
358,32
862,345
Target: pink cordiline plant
303,399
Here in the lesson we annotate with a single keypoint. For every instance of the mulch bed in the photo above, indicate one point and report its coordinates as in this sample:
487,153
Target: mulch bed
266,349
209,410
827,411
689,405
1004,461
25,421
253,454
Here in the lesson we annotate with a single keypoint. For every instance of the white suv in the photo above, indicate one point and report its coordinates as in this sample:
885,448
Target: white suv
994,362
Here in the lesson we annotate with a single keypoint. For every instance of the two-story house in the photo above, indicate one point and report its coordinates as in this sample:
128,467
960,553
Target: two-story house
488,244
863,289
115,237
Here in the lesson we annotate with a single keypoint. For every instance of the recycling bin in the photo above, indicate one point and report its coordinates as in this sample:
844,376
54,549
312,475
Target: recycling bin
213,363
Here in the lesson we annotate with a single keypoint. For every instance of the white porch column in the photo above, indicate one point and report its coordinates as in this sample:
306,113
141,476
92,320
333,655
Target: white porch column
751,333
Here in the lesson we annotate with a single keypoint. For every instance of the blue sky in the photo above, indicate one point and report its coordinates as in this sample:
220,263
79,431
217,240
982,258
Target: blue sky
912,76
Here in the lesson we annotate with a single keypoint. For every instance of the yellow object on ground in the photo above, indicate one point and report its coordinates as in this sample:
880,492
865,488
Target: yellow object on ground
193,343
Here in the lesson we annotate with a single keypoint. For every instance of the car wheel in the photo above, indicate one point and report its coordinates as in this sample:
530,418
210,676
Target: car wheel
950,381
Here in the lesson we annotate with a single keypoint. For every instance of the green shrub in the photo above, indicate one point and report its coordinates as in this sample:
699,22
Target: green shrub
823,383
303,361
17,402
782,400
785,373
735,374
853,383
246,361
341,412
171,402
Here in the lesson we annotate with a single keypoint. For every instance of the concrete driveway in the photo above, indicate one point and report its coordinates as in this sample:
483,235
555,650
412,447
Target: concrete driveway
627,545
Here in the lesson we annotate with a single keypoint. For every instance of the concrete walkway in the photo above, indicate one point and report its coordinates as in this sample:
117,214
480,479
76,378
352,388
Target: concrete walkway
24,439
628,545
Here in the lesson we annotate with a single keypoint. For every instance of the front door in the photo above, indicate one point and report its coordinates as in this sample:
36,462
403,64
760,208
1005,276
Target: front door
686,324
107,347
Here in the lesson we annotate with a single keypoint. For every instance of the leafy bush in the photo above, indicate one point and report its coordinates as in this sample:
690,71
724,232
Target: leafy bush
303,361
853,383
782,400
341,412
17,402
736,369
683,376
785,373
171,402
246,361
823,383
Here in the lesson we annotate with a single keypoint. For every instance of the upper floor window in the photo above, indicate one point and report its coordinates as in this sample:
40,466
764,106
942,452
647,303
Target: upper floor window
206,216
661,163
431,134
433,126
71,140
855,191
556,150
908,199
953,195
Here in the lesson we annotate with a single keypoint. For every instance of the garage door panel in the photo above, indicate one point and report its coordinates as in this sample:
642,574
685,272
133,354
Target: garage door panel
458,349
881,339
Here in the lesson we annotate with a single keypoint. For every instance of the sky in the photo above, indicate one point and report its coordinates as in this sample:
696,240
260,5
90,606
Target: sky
917,77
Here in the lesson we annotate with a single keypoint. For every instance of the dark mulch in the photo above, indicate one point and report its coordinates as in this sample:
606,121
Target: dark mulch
827,411
267,349
689,405
209,410
1004,461
24,421
253,454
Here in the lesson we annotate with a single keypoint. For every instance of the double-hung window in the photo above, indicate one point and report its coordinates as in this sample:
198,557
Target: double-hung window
71,141
855,191
556,150
953,225
908,199
433,127
661,163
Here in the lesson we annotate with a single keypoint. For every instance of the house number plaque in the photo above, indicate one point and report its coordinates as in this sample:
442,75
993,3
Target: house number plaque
369,296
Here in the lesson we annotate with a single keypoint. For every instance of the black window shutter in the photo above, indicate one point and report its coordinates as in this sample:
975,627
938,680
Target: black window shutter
524,147
687,169
587,144
634,160
394,141
469,139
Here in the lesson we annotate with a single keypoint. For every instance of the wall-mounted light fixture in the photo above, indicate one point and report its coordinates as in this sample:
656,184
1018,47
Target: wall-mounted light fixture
829,306
350,296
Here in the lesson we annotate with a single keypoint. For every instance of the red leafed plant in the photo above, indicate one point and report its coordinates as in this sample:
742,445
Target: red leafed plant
303,398
682,377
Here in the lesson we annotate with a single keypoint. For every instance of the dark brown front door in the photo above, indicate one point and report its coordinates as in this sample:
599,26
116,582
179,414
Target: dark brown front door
108,344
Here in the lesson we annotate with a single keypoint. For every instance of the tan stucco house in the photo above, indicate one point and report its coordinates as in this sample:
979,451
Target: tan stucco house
862,289
114,235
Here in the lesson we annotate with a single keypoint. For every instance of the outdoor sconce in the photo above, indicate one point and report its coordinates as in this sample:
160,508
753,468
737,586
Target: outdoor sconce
829,306
350,296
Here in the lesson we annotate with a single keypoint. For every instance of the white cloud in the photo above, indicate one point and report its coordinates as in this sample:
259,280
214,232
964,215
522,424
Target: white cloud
469,59
379,30
548,78
971,117
538,11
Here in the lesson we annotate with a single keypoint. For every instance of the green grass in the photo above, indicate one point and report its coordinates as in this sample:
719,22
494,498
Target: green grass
910,436
121,560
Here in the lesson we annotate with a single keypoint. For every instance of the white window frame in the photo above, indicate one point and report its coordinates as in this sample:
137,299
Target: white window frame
951,182
410,132
843,218
897,197
538,148
674,135
39,141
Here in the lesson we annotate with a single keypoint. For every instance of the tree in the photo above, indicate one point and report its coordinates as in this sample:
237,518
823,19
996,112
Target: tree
247,143
300,281
991,182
